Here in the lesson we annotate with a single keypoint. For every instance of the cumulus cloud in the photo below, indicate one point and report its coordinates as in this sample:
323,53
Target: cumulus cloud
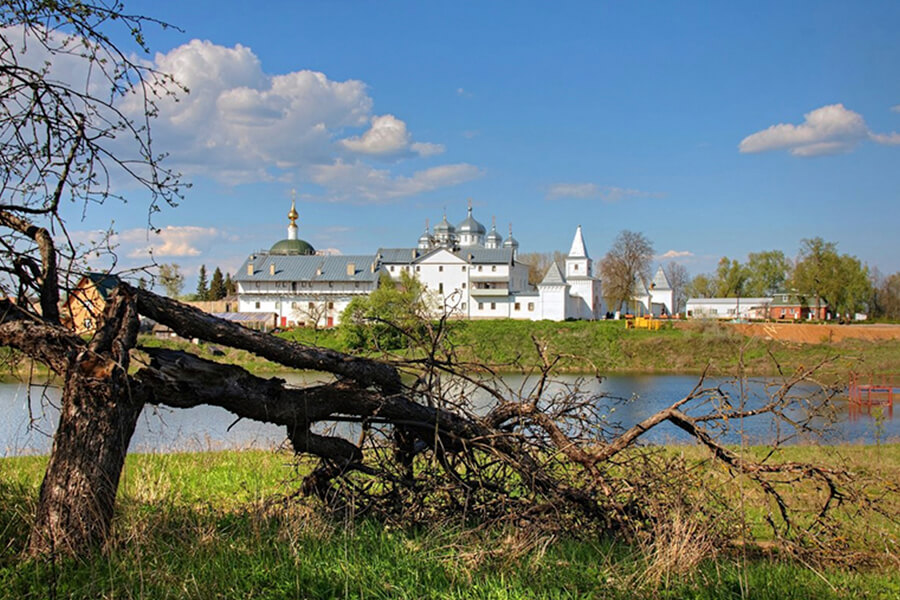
388,137
831,129
239,124
608,193
676,254
348,181
170,242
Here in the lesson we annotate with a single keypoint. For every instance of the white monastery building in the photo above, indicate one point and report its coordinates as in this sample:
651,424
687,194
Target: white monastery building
468,271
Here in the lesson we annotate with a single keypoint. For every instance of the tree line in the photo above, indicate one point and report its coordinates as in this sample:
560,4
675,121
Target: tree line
218,288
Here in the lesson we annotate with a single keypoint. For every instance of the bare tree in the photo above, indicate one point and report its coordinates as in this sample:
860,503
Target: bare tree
627,261
679,279
539,262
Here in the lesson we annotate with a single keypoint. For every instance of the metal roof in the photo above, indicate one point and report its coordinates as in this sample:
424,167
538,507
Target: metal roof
476,255
554,276
308,268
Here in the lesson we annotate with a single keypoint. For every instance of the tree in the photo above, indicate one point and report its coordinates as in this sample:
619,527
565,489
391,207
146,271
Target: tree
202,286
171,279
539,262
230,286
217,286
627,261
66,134
679,280
731,278
888,297
841,280
767,273
390,317
702,286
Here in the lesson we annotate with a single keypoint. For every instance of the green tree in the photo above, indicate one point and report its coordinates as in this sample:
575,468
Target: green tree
230,285
702,286
202,286
390,318
217,285
821,274
171,279
731,278
767,273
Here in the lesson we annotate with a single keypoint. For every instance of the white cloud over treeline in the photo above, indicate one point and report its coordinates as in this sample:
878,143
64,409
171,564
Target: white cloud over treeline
593,191
831,129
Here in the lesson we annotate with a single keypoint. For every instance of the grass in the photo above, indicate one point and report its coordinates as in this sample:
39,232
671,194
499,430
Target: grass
216,525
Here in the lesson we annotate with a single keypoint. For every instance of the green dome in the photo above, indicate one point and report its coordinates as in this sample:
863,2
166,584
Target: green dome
292,247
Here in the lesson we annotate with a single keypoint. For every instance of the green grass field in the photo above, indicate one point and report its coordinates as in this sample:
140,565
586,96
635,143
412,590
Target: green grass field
221,525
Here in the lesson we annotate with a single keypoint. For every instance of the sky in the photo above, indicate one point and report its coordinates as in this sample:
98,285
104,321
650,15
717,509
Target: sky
716,129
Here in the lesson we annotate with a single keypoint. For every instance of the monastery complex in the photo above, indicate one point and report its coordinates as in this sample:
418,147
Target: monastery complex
468,271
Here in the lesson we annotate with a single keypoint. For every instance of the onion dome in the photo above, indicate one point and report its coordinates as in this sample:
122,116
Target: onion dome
493,239
470,226
292,245
444,227
426,241
511,241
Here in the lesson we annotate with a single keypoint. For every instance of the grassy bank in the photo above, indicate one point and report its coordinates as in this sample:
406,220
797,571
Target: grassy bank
604,346
216,525
607,347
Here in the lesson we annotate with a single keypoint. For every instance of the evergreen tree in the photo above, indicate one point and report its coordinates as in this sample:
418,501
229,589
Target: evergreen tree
217,285
202,287
230,285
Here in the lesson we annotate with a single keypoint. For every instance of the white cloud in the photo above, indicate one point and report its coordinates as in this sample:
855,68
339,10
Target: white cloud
349,181
388,136
677,254
240,124
608,193
896,108
831,129
170,242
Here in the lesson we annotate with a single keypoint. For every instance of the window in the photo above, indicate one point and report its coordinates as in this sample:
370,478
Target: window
418,268
392,268
576,267
493,306
440,288
464,285
531,306
256,304
464,268
330,305
441,269
517,306
294,305
481,306
494,268
464,306
479,267
310,306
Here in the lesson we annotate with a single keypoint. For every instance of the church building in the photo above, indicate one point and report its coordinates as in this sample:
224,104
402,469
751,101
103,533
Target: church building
469,272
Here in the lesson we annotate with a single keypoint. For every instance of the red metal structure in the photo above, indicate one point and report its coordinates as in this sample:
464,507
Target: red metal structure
873,390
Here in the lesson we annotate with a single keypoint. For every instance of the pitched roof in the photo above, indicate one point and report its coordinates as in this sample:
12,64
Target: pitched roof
554,276
103,282
578,249
308,268
660,281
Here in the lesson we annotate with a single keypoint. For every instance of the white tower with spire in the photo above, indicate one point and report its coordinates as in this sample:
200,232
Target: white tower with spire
578,263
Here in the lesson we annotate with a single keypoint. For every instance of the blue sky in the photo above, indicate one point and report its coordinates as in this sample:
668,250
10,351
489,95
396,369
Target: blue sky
716,129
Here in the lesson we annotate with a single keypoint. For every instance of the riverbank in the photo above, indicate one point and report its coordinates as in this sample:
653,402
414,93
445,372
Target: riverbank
606,347
224,525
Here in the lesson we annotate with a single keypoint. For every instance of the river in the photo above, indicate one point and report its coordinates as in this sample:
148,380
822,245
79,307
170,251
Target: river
30,417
